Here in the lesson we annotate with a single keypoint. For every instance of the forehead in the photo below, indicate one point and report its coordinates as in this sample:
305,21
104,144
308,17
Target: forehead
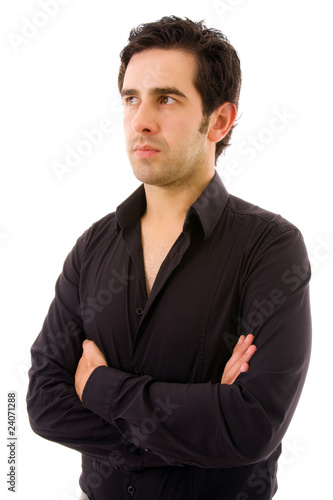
159,67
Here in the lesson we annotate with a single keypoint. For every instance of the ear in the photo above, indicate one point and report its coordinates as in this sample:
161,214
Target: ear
221,121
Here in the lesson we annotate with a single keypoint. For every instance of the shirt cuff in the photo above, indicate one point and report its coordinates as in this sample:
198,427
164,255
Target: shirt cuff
100,389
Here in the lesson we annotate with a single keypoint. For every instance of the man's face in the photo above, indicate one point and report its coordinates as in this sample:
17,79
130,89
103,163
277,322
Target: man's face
163,120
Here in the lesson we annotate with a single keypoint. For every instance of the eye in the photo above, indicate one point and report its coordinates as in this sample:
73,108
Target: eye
131,101
167,100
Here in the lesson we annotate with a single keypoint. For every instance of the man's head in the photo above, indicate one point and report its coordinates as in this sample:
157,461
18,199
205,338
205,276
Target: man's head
218,74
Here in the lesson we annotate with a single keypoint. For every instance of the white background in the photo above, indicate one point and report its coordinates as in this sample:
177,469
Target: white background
63,80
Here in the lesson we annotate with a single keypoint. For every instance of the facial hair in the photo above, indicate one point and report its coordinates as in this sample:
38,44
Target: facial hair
173,168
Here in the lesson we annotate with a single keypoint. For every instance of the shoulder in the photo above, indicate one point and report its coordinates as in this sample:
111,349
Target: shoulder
98,235
257,216
256,222
102,228
261,232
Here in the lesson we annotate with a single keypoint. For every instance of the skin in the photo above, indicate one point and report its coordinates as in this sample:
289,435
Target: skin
169,124
171,147
92,358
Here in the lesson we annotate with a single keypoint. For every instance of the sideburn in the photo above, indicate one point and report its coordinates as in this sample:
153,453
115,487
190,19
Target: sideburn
204,125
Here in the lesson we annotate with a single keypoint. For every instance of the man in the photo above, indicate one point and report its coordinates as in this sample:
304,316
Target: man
146,362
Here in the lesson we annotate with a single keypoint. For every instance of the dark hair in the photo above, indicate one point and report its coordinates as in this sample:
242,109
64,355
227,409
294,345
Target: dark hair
218,77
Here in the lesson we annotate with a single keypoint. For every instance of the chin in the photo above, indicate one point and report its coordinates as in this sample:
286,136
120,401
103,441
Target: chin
146,174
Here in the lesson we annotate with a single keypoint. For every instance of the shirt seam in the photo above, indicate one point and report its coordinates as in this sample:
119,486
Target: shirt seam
272,241
282,225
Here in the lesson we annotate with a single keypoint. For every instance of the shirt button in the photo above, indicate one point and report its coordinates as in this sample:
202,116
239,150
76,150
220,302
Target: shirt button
139,311
131,490
139,373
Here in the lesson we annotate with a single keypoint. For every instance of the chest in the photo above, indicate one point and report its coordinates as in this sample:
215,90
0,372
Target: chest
182,331
155,247
154,253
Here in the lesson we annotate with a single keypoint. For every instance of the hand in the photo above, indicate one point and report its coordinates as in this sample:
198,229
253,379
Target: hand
239,361
91,358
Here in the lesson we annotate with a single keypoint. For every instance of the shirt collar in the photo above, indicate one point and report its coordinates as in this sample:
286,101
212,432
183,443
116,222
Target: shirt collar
208,207
130,210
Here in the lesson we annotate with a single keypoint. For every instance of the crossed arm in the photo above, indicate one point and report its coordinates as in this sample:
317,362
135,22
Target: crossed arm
92,358
240,421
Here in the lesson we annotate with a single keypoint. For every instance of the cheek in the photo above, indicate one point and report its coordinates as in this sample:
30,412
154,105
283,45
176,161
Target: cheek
127,127
184,132
180,126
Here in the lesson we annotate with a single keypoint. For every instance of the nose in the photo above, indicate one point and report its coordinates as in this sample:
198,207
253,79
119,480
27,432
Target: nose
145,120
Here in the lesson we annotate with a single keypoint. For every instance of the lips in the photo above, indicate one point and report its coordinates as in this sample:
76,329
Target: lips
145,151
145,148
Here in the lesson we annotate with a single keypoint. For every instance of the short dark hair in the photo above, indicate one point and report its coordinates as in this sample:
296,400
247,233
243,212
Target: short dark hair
218,77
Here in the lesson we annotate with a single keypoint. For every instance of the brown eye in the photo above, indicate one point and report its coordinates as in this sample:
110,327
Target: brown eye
131,100
167,100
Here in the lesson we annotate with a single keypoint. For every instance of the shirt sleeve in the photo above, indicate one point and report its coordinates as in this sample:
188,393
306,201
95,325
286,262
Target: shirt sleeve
55,411
214,425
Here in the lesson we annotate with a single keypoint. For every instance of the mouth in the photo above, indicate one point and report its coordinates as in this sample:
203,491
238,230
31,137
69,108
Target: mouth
145,151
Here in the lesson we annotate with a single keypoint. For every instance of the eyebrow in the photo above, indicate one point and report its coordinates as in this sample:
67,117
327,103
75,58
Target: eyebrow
154,91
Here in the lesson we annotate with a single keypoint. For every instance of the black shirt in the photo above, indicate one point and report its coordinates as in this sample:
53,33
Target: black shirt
156,423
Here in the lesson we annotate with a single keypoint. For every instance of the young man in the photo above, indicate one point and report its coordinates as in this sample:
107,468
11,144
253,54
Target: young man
142,364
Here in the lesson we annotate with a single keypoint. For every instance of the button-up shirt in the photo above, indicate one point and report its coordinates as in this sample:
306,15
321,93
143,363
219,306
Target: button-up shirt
157,423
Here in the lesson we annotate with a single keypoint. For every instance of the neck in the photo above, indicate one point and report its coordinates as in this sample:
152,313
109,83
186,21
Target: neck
169,204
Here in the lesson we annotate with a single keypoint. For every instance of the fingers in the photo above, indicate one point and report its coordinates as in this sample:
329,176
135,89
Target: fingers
239,361
245,358
244,368
89,347
86,343
93,354
244,342
243,350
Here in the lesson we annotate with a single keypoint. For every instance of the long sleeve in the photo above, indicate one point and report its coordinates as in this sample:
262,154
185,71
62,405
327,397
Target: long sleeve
55,411
214,425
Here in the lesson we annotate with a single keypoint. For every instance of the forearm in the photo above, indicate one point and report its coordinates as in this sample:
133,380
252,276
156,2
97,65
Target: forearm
214,425
182,423
55,411
57,414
